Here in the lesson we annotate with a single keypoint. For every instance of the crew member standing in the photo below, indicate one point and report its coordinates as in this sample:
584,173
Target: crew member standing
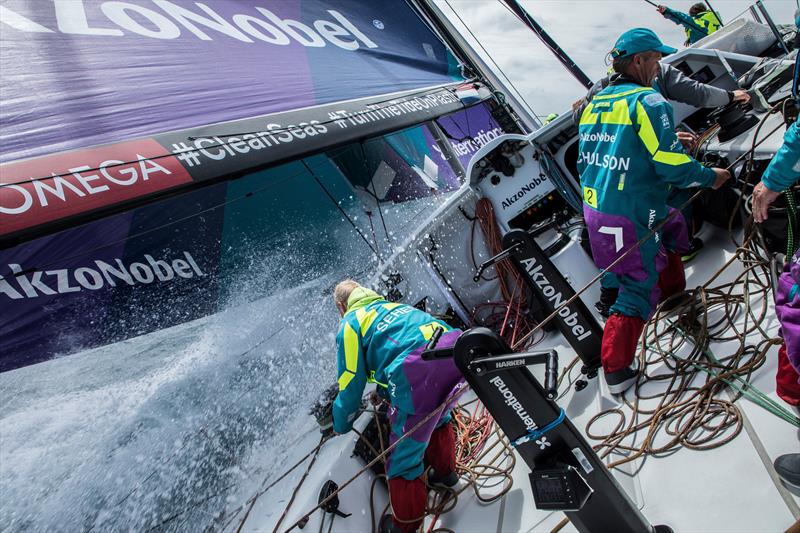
673,85
629,158
700,22
381,342
782,172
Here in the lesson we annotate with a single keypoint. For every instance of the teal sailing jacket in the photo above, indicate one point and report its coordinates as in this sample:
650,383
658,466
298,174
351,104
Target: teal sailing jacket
696,27
374,337
630,155
784,169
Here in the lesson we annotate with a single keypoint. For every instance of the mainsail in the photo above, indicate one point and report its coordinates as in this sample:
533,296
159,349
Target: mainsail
131,130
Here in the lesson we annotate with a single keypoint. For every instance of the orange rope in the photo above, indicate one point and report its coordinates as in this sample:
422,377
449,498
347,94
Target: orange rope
494,241
512,286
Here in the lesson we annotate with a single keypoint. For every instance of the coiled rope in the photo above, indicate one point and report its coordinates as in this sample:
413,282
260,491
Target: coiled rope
681,418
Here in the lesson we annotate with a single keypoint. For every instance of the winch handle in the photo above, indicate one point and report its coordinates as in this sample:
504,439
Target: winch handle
498,363
715,114
430,353
551,375
514,248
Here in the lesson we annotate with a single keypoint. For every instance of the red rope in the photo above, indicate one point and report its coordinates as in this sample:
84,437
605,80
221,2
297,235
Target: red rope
511,286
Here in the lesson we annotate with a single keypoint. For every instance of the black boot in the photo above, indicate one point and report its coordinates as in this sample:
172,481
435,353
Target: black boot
442,481
607,298
788,468
387,525
694,248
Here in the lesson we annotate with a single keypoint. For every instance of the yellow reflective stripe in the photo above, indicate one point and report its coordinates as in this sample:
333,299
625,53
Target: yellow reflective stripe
345,379
365,319
646,131
350,356
619,114
621,184
671,158
590,196
587,117
620,95
648,136
708,21
350,348
428,329
390,306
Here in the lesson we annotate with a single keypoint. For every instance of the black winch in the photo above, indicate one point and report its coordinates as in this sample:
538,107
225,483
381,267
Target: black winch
733,120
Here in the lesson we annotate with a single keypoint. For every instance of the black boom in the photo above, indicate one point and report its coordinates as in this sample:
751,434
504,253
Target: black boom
566,474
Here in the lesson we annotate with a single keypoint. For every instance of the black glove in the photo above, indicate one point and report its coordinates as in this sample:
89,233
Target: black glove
322,409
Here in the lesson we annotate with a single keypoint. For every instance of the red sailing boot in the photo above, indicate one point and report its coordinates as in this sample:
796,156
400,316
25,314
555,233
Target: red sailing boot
441,456
672,279
618,351
408,498
786,379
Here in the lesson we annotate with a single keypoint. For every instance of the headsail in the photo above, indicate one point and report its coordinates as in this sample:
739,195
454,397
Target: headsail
133,134
104,103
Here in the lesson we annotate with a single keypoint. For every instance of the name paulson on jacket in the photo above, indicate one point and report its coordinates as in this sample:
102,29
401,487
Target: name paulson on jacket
63,281
512,402
568,316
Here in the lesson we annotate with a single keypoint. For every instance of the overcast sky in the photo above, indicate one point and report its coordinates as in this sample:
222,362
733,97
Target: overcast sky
586,29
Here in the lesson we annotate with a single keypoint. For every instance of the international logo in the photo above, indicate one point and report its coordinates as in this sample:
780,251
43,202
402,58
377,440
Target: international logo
512,402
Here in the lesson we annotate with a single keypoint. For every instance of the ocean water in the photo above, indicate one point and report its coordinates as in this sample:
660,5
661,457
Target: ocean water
125,436
164,431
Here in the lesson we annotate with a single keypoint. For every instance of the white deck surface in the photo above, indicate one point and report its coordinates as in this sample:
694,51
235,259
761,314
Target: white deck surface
725,489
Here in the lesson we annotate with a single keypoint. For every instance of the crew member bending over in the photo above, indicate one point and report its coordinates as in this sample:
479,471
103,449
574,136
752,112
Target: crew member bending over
629,159
380,342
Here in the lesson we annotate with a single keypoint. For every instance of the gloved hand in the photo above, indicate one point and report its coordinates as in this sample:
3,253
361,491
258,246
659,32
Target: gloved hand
322,409
326,423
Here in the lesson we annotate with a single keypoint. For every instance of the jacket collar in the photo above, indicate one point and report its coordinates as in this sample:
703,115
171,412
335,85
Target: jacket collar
362,297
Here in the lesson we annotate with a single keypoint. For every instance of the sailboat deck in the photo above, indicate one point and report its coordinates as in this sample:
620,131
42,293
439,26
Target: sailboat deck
728,488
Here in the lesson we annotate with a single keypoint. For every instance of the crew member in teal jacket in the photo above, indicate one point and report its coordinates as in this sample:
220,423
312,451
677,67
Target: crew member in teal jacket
629,158
381,342
700,22
783,172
